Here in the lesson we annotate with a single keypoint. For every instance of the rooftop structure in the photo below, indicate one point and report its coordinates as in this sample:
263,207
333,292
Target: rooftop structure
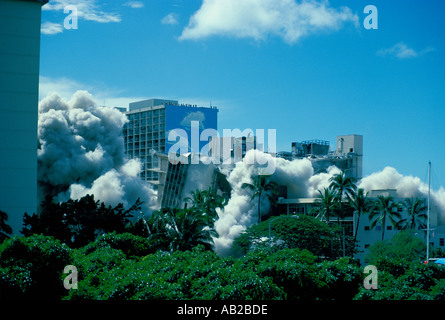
348,155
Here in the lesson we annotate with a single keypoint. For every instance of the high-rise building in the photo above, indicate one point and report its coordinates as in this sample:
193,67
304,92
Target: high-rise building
19,87
151,121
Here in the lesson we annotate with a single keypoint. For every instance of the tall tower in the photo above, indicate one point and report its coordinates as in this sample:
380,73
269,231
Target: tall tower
19,87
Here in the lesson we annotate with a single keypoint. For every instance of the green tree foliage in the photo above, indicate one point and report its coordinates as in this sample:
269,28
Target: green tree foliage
403,246
344,187
122,267
260,185
401,273
416,214
199,274
78,222
196,274
30,267
326,203
180,229
5,229
206,201
386,208
360,203
301,231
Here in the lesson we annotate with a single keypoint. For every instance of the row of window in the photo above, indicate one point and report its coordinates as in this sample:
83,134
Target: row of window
144,144
144,122
146,114
145,129
144,137
143,152
149,175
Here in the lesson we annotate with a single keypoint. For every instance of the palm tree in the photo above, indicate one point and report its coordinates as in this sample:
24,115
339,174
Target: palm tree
360,204
344,186
416,212
180,229
385,207
207,201
326,203
259,186
197,198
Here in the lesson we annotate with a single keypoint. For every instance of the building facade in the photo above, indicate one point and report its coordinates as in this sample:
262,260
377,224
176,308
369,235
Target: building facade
19,87
366,235
150,123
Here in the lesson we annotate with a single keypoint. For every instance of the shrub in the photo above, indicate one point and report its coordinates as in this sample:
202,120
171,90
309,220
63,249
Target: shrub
31,267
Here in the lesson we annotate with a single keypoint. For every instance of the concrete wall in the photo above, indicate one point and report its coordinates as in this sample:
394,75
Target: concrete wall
19,85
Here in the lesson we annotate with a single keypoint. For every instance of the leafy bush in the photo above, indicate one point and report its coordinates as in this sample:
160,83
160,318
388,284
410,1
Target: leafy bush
31,267
131,245
196,274
400,280
302,232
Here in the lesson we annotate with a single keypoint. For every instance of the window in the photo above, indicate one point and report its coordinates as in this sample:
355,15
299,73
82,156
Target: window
366,228
442,242
388,227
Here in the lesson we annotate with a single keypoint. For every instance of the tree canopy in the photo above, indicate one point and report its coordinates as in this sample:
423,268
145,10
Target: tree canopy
299,231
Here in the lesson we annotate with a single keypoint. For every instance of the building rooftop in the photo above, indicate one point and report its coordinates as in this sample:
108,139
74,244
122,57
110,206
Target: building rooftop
40,1
152,103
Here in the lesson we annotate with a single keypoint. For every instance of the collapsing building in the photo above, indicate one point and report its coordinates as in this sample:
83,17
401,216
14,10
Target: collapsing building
146,138
178,178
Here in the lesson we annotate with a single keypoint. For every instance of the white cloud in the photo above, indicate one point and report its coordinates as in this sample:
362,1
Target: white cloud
257,19
170,19
134,4
50,28
402,51
86,9
66,87
193,116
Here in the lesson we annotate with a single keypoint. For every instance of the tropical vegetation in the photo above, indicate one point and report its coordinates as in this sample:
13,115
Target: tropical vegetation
121,255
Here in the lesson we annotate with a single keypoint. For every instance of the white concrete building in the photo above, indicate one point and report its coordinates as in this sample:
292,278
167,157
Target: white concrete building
19,86
367,236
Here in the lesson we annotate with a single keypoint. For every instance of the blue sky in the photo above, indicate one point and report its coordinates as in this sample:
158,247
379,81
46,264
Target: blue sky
310,71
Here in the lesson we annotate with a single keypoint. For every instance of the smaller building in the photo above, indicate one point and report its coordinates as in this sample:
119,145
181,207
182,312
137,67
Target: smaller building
348,155
230,150
367,236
